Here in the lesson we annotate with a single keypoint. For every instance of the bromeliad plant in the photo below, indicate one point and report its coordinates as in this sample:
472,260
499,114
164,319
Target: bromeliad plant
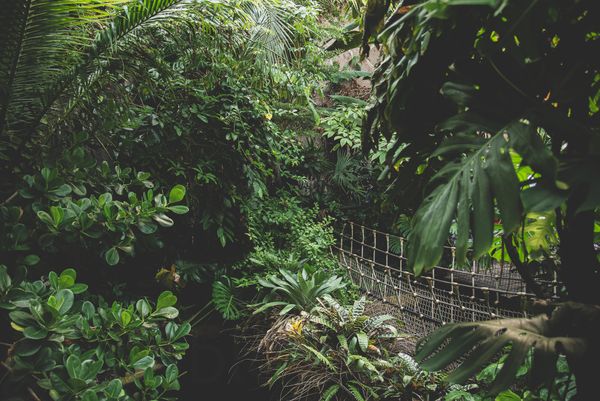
79,350
355,331
300,290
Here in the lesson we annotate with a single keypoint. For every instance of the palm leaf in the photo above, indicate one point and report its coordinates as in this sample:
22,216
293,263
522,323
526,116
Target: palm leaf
270,34
40,39
50,50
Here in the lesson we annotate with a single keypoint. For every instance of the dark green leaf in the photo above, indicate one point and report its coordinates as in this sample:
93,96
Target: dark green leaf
112,256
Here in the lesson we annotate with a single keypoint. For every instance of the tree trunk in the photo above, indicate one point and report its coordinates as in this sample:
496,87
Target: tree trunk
579,267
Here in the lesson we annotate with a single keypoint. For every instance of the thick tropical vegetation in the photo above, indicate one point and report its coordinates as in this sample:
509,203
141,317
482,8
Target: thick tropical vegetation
189,159
499,100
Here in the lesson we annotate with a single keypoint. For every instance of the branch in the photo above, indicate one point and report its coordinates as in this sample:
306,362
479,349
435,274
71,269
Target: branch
129,378
33,394
10,198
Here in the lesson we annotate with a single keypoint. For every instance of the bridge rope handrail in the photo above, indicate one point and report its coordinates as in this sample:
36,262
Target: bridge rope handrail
445,294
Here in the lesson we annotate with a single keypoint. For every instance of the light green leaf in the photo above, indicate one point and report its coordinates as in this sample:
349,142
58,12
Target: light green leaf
166,298
144,362
177,194
143,307
169,312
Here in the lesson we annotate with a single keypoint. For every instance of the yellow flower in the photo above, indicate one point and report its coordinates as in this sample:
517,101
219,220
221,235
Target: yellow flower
295,327
268,116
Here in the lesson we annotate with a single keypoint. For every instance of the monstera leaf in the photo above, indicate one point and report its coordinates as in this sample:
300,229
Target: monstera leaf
567,331
464,189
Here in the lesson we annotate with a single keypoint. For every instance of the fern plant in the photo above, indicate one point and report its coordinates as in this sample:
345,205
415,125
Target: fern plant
343,353
354,330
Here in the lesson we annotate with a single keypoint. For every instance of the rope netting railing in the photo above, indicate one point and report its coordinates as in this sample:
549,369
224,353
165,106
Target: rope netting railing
376,263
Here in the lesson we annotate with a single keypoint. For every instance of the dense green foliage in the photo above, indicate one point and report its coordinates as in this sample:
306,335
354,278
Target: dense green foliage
496,101
149,143
205,150
79,350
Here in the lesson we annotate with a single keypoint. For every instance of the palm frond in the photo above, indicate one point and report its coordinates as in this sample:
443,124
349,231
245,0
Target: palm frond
49,49
347,174
40,39
270,32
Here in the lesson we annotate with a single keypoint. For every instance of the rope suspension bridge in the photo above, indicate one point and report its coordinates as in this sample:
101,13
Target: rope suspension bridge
377,264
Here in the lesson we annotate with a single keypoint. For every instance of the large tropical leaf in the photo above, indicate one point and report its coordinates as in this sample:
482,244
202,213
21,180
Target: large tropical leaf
567,331
508,90
224,299
480,172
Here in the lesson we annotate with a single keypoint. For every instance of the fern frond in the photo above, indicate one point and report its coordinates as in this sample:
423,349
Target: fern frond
322,358
330,392
355,392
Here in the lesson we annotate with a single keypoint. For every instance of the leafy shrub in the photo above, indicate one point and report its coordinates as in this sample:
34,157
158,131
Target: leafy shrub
107,224
54,215
281,226
343,127
79,350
